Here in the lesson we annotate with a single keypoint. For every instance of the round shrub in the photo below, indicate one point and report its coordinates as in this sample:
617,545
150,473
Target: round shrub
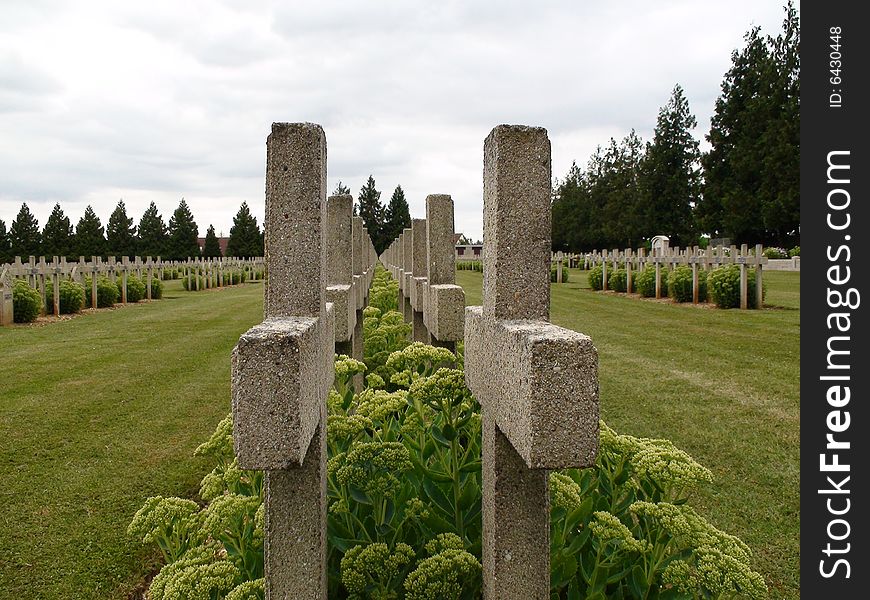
645,282
775,253
190,285
135,288
554,273
156,288
71,293
680,284
617,280
26,302
796,251
107,292
723,285
596,277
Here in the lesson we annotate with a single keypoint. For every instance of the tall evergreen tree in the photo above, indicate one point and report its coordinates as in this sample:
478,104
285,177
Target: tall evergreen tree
152,233
670,179
372,212
121,233
5,245
24,236
211,248
751,172
341,189
397,216
183,234
90,239
57,236
245,238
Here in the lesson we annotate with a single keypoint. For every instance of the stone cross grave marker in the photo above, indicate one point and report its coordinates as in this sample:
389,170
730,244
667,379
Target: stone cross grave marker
418,278
537,383
445,304
282,369
339,270
407,273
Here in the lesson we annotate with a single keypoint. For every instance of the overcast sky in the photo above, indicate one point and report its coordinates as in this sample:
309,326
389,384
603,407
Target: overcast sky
103,100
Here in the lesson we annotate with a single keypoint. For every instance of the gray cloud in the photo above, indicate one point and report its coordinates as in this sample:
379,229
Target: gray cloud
161,100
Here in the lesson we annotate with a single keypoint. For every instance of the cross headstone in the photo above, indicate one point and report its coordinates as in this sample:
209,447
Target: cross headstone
418,268
339,269
537,383
407,273
445,305
282,369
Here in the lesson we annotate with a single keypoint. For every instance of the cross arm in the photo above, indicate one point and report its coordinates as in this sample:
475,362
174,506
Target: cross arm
281,373
541,382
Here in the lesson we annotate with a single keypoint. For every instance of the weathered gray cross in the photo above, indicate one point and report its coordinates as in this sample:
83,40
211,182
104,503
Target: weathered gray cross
444,304
537,383
339,269
283,368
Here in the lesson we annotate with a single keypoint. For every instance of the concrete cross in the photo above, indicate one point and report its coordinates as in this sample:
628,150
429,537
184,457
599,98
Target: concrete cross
445,303
418,279
537,383
339,269
282,369
407,273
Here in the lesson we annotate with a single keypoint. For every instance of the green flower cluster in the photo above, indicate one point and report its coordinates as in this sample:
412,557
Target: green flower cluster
609,529
404,499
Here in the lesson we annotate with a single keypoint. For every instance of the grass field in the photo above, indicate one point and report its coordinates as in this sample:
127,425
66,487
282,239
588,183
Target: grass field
100,411
96,414
724,385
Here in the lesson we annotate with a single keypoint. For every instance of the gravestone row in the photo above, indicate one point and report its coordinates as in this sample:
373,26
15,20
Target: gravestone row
421,259
537,383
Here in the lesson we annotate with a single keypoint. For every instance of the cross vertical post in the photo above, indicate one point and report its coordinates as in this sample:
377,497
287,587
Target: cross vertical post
537,383
282,369
339,277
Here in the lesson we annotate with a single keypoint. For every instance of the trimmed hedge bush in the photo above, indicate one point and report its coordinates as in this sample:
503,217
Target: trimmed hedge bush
680,284
553,274
192,283
796,251
156,288
775,253
596,277
107,292
617,280
135,288
645,282
723,285
71,293
469,265
26,302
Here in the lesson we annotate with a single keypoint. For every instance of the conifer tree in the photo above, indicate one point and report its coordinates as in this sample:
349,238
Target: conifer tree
211,248
57,236
245,238
396,217
670,178
183,234
152,233
751,172
5,247
24,236
372,212
90,239
341,189
121,233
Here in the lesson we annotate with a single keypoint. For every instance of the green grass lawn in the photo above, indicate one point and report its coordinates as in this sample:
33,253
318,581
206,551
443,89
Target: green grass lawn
96,414
101,411
722,384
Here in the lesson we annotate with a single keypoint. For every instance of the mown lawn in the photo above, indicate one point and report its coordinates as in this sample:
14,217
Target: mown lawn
722,384
96,414
103,410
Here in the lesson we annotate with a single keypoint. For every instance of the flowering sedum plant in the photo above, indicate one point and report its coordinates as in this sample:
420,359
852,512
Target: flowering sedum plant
404,487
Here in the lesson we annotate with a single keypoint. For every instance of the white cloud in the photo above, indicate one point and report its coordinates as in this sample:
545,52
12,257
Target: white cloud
154,101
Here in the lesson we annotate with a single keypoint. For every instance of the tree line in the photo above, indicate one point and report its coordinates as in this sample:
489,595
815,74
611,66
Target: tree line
383,223
745,187
176,240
